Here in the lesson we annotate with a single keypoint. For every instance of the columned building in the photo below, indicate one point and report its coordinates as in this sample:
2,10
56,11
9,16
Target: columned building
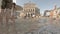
30,9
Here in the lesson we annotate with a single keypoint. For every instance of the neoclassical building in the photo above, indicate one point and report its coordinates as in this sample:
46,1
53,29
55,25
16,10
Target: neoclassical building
31,9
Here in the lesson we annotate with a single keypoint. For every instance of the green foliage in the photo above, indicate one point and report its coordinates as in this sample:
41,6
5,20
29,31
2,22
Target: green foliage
6,4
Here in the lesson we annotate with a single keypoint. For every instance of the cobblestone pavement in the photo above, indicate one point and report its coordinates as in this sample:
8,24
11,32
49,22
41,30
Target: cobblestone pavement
38,26
41,25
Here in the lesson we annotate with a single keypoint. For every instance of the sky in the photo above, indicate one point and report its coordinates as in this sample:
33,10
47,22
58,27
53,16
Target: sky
42,4
14,1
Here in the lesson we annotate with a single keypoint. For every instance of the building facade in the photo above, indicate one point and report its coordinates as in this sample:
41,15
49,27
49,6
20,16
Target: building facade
30,9
47,13
54,13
